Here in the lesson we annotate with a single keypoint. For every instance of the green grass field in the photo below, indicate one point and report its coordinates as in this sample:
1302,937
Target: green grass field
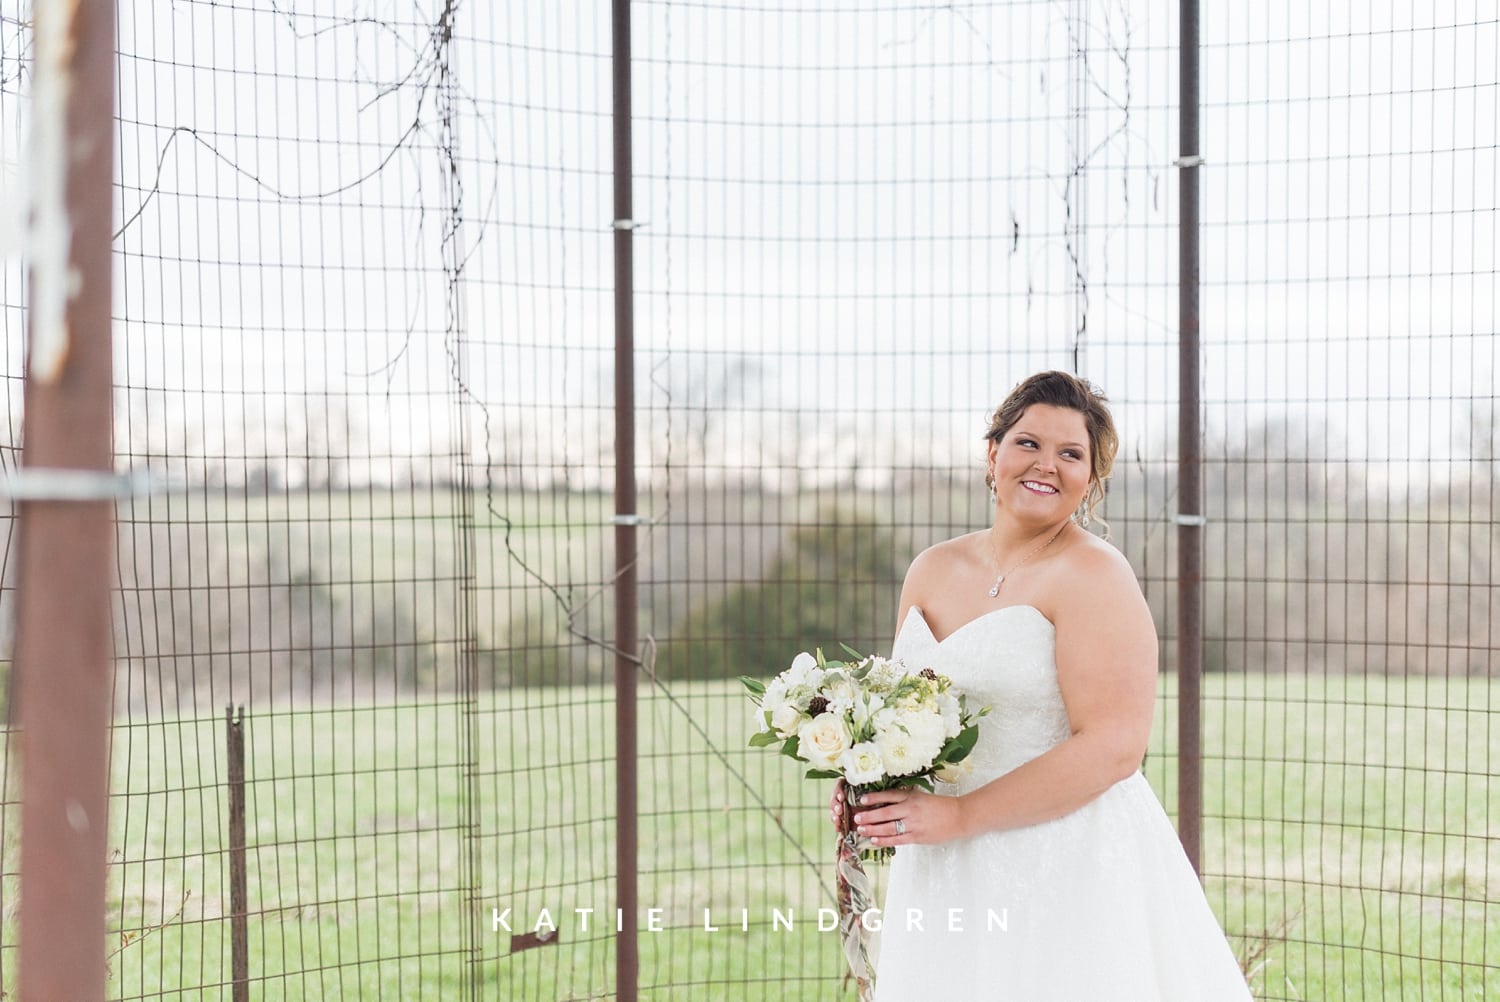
1351,840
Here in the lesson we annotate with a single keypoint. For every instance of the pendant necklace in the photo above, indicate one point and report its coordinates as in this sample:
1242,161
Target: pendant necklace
1000,578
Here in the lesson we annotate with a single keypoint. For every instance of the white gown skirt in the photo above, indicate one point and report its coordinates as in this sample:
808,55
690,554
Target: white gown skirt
1098,906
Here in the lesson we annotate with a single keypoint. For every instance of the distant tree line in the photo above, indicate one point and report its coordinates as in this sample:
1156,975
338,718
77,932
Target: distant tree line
1313,564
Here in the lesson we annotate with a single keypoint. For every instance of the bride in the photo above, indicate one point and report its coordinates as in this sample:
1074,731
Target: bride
1049,871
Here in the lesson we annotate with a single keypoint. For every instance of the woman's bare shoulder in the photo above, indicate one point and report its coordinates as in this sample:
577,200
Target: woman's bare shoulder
1104,572
1097,554
942,557
934,566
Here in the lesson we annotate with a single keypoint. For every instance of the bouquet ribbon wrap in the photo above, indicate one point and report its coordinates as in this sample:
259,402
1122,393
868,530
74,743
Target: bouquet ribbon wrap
856,895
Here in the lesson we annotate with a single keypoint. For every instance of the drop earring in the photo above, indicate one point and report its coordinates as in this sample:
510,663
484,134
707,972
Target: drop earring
1081,516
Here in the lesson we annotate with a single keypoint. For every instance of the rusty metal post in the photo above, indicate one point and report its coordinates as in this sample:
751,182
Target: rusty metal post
627,945
239,906
64,648
1190,519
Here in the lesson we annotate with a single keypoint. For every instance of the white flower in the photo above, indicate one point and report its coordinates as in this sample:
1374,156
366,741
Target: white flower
773,700
898,752
862,764
802,695
787,695
948,708
840,705
883,675
785,719
909,740
870,710
822,740
775,694
803,672
837,685
925,731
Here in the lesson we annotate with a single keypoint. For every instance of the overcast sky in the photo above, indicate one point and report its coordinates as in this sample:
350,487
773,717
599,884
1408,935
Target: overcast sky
880,215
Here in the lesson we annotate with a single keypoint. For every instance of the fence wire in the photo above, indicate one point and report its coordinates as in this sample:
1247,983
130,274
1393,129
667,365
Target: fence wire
1350,324
365,336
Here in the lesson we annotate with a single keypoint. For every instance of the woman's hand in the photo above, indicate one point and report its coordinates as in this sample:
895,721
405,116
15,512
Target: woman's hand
909,817
836,806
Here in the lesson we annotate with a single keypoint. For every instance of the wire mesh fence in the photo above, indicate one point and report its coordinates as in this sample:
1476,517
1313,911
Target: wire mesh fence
1353,303
365,340
283,329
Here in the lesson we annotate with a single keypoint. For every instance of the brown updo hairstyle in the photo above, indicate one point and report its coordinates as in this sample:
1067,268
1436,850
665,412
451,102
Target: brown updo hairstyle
1063,389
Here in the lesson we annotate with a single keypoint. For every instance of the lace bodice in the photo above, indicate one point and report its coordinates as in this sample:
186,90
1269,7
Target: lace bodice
1006,660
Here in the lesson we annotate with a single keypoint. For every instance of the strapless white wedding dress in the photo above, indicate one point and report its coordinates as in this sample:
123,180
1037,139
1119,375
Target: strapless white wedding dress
1100,905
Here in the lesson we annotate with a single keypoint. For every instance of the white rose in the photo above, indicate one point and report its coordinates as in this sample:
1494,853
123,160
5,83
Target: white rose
862,764
822,740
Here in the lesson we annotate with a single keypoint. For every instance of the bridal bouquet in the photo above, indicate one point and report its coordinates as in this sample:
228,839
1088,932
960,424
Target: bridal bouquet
878,725
872,722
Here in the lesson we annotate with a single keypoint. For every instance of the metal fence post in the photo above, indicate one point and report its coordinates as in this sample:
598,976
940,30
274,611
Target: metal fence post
627,957
64,638
1190,460
239,906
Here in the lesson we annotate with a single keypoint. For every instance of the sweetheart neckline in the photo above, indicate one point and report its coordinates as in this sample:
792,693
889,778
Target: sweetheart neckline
982,616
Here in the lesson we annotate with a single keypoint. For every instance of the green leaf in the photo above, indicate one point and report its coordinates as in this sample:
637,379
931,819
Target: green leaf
764,739
958,749
790,747
756,686
822,774
852,652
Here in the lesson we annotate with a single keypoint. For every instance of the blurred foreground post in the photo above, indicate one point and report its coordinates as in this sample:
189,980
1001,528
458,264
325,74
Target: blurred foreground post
63,640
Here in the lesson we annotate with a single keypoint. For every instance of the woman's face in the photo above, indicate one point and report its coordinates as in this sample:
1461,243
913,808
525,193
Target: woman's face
1042,465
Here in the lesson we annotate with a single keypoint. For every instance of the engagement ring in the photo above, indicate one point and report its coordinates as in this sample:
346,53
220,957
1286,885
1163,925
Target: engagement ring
900,826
